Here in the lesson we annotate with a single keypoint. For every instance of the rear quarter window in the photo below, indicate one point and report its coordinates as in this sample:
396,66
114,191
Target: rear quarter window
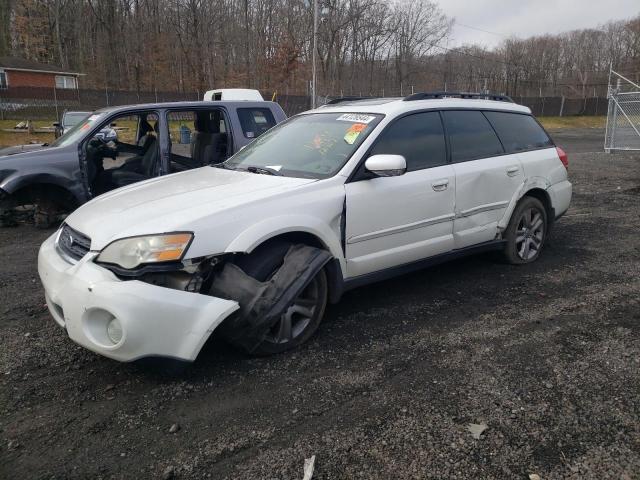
470,135
518,132
255,121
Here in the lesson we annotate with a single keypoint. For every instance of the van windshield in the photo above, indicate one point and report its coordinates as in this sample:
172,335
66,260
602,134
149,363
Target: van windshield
77,132
316,145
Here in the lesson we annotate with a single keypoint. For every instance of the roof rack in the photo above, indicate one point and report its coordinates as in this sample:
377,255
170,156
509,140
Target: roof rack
347,99
467,95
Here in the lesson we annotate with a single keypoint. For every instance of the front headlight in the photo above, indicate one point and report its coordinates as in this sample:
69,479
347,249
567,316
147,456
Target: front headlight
131,252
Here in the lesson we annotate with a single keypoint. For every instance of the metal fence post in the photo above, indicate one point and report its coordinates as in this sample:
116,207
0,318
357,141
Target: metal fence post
55,100
615,115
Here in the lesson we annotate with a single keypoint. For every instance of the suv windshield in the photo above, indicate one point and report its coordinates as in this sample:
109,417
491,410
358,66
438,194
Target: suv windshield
75,133
316,145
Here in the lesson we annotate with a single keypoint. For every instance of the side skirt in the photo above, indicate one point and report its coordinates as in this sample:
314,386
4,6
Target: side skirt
388,273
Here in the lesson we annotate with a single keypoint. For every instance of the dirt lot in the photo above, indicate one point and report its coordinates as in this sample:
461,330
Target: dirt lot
547,355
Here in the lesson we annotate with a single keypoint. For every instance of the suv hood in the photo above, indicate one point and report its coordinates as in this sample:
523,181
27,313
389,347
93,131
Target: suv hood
29,147
174,202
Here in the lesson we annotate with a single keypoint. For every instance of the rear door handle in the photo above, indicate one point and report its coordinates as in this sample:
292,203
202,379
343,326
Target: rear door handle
513,171
440,185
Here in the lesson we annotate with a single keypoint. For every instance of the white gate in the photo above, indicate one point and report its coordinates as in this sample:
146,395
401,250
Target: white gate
623,116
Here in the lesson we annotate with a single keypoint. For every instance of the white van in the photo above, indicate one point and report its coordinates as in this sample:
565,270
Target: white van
233,94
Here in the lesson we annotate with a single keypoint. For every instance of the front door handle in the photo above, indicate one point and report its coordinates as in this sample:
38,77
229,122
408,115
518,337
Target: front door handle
513,171
440,185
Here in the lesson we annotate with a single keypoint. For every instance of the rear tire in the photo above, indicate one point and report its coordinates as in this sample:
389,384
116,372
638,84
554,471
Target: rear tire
526,232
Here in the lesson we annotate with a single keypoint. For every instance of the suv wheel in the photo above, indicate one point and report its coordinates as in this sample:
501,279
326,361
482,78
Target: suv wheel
301,319
526,232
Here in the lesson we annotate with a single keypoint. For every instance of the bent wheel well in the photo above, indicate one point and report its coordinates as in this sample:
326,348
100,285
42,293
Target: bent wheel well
334,272
544,198
45,193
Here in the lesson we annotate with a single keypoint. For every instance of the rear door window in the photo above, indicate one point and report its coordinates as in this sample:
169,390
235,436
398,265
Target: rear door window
198,138
518,132
419,138
470,135
255,121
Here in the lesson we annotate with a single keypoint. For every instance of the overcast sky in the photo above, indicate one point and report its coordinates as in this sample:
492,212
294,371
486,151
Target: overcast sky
524,18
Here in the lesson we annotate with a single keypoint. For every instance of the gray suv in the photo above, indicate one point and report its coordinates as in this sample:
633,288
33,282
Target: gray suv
118,146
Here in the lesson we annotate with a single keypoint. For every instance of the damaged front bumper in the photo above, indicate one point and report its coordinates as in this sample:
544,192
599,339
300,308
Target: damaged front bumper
155,321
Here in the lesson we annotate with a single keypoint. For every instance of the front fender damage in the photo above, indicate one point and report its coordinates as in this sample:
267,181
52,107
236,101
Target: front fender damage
262,303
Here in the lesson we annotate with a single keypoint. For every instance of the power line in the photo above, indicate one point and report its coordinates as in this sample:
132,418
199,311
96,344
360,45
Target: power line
481,30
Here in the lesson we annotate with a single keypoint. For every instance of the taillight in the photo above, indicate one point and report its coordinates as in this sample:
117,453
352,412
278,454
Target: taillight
563,157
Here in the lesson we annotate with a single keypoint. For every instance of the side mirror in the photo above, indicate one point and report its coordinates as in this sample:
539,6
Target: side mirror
386,165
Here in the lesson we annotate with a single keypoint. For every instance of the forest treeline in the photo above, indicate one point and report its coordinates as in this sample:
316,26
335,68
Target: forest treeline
364,47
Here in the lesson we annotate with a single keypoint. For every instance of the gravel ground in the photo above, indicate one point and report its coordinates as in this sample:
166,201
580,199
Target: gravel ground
547,356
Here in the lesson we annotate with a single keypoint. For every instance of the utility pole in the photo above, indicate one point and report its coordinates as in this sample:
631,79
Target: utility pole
313,58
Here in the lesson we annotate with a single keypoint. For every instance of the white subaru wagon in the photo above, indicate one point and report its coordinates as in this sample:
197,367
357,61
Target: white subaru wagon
347,194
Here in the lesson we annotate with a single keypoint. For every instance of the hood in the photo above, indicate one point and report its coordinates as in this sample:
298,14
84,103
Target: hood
30,147
174,202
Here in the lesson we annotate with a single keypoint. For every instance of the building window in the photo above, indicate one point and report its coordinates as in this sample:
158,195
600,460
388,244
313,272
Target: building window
65,82
3,80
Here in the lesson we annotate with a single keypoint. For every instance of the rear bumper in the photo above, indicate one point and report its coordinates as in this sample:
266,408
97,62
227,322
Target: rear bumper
156,321
560,194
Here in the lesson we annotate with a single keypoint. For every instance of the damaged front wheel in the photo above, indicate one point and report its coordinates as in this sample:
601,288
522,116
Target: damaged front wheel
282,291
299,321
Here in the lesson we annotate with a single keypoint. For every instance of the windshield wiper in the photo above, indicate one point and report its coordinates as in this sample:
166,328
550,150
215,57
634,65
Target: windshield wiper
222,165
263,170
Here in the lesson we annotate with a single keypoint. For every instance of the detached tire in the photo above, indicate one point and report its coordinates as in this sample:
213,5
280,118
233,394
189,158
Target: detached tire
526,232
301,319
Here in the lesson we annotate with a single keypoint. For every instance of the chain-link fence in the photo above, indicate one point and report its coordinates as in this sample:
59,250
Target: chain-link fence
623,117
30,103
34,103
549,106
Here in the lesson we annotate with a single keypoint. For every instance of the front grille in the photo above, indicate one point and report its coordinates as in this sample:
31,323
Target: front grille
73,243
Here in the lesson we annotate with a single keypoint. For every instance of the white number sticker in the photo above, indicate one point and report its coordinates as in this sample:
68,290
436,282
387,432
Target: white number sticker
356,118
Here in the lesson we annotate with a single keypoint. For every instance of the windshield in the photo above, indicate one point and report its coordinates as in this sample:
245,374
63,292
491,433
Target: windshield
75,133
71,118
310,146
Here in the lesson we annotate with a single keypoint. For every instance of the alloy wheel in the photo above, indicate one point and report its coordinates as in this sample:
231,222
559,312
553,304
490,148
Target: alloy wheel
530,234
296,318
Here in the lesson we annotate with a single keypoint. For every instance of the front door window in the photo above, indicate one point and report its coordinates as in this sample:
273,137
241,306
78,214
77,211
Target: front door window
123,151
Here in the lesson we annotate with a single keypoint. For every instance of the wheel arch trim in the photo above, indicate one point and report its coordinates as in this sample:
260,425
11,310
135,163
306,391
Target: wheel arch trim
533,184
273,227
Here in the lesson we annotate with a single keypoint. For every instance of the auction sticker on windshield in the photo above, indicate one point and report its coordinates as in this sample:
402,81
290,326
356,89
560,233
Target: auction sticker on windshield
352,134
356,118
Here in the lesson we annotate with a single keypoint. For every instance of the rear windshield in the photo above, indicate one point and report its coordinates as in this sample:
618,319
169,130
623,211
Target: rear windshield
255,121
316,145
72,118
518,132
